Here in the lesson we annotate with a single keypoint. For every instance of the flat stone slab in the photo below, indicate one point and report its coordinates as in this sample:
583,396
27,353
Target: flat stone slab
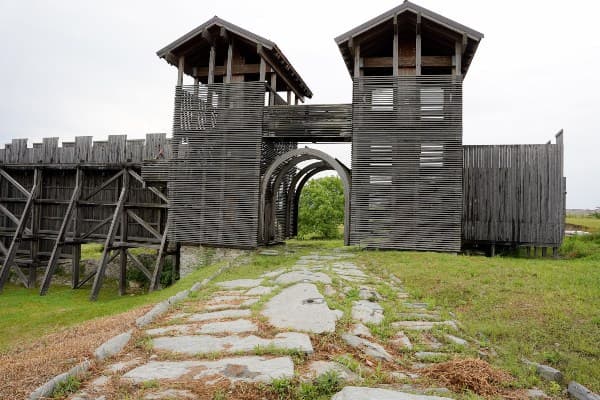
402,341
240,283
366,293
361,330
164,330
456,340
350,272
249,369
260,291
219,315
369,348
170,394
273,274
422,325
318,368
367,312
206,344
301,307
420,316
365,393
123,365
235,326
302,276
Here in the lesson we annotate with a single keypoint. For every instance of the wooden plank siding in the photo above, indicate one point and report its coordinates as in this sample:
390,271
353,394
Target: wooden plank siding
406,162
514,194
321,122
214,174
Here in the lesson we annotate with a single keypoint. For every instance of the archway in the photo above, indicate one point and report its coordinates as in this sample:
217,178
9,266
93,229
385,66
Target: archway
278,171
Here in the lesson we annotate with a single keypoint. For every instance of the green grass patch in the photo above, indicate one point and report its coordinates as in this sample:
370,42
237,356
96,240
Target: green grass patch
588,223
546,310
25,315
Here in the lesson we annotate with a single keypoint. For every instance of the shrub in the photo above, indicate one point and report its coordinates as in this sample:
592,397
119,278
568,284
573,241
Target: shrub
321,209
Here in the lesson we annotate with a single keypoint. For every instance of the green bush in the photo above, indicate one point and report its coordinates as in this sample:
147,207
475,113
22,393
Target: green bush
134,274
321,209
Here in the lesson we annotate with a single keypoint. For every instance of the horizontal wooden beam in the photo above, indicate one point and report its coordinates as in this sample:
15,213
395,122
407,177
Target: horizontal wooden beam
406,61
237,69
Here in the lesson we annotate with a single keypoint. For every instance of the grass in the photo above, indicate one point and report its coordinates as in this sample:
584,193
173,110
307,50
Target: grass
547,310
25,315
589,223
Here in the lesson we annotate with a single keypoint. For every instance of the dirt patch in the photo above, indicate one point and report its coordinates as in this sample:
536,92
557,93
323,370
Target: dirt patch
474,375
25,368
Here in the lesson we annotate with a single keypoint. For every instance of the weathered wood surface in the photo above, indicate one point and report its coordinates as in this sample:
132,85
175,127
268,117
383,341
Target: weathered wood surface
116,150
214,173
304,123
407,162
514,194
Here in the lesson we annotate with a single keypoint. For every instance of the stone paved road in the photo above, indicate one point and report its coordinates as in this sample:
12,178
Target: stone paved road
281,325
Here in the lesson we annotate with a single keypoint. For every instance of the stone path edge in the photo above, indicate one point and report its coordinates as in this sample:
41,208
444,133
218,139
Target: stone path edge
115,344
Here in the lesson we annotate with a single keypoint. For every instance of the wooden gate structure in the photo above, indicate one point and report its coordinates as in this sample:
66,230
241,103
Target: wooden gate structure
232,173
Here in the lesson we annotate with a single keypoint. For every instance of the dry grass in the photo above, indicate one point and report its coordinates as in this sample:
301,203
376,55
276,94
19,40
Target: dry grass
473,375
26,367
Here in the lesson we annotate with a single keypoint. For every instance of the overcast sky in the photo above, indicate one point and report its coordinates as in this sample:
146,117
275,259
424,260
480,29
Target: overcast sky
73,68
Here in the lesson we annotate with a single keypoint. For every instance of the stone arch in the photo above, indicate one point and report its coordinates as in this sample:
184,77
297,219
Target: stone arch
275,174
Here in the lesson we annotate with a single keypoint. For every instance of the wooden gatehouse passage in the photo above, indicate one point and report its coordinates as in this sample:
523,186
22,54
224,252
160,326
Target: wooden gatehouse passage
276,184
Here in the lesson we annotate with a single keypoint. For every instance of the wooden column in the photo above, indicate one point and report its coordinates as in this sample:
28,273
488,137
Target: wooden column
211,64
289,97
196,81
418,51
36,220
262,70
123,250
395,56
458,49
357,61
273,88
180,71
76,248
229,62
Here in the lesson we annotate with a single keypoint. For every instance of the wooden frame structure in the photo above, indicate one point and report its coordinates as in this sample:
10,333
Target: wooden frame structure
232,174
80,193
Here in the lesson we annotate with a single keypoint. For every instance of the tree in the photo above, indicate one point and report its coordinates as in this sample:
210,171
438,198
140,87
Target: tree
321,209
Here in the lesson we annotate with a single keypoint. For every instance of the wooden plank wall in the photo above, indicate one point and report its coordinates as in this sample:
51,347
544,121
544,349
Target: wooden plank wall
407,162
306,122
514,194
214,174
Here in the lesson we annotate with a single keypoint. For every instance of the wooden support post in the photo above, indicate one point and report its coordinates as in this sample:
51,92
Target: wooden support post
229,62
296,100
493,250
36,221
16,241
535,252
555,252
160,258
180,71
273,88
458,50
357,61
544,251
289,98
110,237
177,266
262,70
64,226
418,51
528,251
123,250
196,81
395,58
211,64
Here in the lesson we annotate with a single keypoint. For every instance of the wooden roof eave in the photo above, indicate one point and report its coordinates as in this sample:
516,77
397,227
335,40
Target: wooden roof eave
288,72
